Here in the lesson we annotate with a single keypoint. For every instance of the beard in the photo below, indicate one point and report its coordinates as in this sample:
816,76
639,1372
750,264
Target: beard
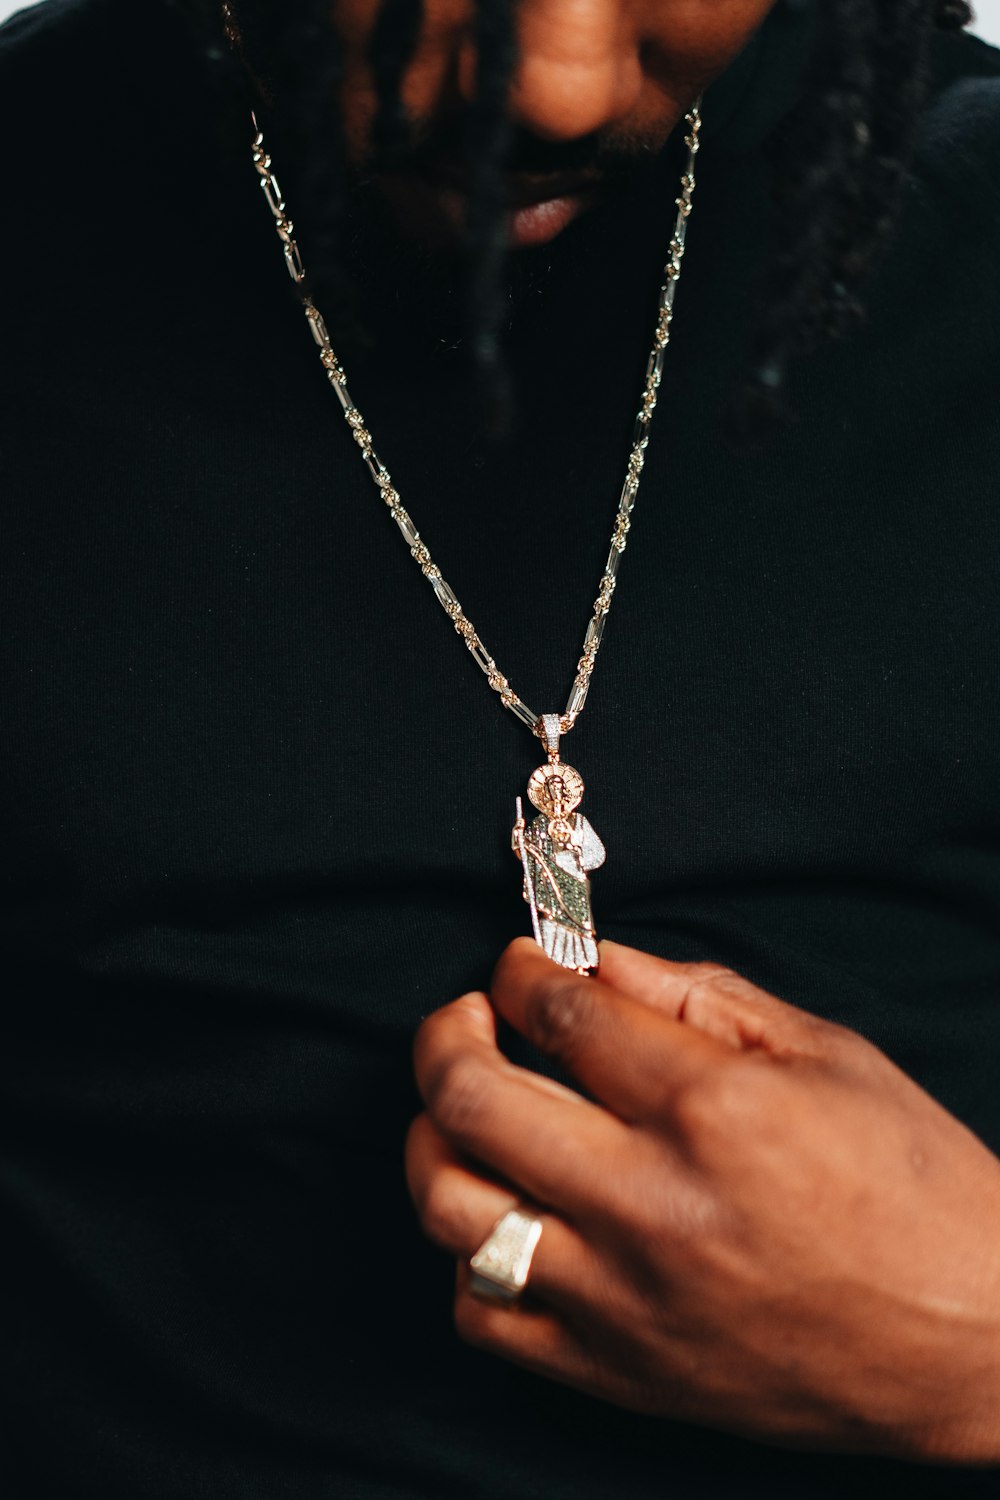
402,279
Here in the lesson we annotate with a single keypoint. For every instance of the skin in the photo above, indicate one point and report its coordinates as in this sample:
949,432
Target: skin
619,74
755,1221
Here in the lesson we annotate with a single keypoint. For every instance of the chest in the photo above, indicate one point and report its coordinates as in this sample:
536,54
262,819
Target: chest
243,737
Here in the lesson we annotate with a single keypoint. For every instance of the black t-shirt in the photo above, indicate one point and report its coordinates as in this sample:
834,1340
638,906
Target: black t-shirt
257,800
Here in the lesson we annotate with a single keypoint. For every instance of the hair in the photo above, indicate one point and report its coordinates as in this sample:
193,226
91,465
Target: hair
840,160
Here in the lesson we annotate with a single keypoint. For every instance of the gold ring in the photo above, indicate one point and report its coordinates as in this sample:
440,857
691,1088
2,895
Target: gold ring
501,1266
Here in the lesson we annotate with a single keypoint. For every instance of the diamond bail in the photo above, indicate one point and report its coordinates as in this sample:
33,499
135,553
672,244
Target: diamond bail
550,733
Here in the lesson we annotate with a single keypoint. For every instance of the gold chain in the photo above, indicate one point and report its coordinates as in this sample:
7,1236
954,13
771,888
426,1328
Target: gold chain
443,591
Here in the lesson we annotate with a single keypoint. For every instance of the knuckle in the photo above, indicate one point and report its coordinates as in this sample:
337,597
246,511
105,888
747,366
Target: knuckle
562,1015
510,959
456,1095
708,972
718,1102
846,1049
427,1043
438,1034
707,979
439,1216
683,1214
797,1035
414,1155
472,1321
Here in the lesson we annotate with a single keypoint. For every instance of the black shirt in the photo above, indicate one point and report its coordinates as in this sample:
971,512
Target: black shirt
257,800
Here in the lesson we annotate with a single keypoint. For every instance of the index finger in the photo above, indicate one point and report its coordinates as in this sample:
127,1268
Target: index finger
630,1056
545,1140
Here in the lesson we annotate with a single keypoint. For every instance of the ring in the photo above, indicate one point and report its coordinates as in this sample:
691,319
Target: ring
501,1266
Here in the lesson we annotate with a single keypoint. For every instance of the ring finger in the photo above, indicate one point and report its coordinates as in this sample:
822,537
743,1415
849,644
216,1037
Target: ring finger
458,1207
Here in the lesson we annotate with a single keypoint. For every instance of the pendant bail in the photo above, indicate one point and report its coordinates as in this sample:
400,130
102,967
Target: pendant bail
550,732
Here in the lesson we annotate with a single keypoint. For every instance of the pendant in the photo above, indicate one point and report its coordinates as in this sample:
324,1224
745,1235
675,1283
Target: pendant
557,850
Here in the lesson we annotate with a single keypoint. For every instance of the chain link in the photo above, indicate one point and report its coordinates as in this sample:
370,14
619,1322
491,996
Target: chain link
443,591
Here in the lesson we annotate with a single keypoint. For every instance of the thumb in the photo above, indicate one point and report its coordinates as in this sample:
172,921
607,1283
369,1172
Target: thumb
715,1000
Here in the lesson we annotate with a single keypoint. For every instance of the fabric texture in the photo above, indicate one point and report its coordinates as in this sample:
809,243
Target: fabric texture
257,802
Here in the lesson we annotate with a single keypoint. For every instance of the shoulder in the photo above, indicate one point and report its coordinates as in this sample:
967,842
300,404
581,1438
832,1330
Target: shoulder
78,76
51,29
109,116
958,145
47,36
46,51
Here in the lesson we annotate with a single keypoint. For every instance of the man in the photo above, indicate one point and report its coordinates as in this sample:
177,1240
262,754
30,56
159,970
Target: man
258,803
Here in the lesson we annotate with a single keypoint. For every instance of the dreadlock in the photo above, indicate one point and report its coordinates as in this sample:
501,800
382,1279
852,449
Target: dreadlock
840,160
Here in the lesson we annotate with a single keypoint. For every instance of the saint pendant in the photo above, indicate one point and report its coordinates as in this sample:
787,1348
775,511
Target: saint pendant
557,849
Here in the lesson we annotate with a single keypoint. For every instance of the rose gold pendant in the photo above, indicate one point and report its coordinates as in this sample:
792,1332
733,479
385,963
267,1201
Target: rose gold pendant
557,850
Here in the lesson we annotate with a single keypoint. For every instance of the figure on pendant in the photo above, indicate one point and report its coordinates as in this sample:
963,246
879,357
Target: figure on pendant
556,851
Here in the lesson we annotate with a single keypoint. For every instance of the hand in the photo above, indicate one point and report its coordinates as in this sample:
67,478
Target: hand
759,1224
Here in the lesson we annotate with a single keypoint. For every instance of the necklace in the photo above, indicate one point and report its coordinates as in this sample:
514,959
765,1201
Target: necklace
558,848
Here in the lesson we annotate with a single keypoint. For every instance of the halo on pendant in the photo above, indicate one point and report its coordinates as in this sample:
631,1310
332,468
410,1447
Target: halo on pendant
540,791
